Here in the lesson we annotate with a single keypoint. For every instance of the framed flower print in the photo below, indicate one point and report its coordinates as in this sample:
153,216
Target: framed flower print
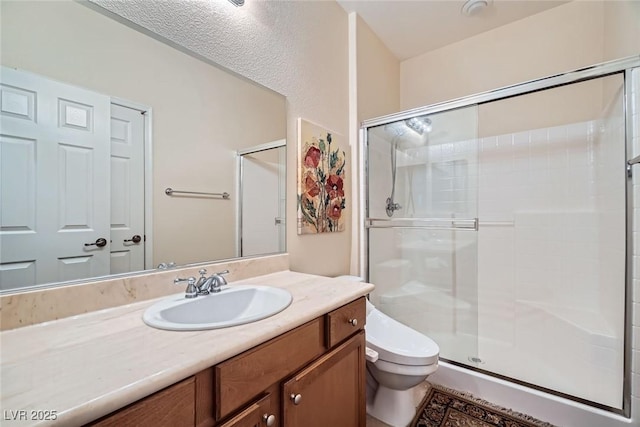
321,171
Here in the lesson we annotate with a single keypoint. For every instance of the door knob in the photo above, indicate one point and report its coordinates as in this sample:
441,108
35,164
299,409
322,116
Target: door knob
134,239
269,420
99,243
296,398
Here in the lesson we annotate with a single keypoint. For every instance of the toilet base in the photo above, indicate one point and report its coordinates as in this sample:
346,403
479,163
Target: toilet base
394,407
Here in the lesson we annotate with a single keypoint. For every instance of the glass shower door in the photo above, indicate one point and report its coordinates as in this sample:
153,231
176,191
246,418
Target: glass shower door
422,226
261,211
551,271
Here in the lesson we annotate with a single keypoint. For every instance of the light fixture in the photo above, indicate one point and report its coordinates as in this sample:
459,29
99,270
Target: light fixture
474,7
237,3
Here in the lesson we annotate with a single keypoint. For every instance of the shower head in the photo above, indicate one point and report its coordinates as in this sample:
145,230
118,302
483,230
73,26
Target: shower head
420,125
396,129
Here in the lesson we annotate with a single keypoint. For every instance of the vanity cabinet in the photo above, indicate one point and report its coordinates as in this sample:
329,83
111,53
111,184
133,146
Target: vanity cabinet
313,375
316,372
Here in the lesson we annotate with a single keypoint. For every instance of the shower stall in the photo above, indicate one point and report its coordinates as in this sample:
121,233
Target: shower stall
261,199
500,225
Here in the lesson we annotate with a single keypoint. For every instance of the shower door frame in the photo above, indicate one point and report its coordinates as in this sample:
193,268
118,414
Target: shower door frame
273,145
623,66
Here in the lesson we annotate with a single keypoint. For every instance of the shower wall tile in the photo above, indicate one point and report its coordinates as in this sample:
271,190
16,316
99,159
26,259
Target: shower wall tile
635,406
553,190
636,196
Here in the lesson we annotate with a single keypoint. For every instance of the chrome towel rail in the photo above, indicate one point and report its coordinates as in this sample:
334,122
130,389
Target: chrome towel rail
170,192
424,223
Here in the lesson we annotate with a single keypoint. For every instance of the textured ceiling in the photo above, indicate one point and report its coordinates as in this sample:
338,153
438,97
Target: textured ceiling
218,32
410,28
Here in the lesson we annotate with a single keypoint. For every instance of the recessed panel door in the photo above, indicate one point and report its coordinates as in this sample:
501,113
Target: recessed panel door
127,190
54,198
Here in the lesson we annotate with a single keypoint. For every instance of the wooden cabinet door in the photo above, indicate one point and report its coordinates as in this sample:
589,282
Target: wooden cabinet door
330,391
258,414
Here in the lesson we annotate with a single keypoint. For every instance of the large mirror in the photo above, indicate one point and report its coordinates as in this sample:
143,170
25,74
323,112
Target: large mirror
98,121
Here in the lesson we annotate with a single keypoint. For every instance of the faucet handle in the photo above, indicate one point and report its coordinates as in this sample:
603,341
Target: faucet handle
202,272
191,291
221,279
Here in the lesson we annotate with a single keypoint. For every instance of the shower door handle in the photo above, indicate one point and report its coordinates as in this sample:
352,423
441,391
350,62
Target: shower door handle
630,163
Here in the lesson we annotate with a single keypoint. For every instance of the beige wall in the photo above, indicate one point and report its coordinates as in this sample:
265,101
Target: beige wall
318,92
577,34
201,114
378,75
621,29
377,81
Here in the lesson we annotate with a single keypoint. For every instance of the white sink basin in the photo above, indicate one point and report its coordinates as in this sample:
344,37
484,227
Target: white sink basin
233,305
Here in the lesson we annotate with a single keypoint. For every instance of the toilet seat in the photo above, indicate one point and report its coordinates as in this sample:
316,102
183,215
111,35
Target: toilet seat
396,368
397,343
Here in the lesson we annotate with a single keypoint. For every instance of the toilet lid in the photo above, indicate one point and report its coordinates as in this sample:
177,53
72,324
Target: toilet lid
398,343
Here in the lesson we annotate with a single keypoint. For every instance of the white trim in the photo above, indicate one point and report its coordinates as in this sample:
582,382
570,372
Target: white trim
362,197
148,189
147,114
263,147
354,262
238,186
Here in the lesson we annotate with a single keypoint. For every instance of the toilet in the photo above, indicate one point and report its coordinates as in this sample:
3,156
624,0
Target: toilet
398,359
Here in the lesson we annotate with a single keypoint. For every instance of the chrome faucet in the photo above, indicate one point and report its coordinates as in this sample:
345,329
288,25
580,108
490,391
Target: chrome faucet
210,284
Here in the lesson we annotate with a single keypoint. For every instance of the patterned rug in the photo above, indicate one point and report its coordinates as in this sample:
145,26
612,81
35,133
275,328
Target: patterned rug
443,407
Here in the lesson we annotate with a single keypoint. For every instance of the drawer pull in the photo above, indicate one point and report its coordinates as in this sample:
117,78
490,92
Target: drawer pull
269,420
296,398
353,322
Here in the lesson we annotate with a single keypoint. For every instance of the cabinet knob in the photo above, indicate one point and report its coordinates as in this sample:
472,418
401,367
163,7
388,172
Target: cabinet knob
269,420
353,322
296,398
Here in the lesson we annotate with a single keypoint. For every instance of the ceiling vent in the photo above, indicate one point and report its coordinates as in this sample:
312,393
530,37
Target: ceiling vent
474,7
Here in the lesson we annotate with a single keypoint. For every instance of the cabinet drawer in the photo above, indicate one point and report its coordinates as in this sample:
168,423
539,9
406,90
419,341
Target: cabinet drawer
345,321
172,407
242,378
256,414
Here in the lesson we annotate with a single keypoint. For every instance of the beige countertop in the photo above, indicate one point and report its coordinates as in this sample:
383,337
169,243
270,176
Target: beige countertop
86,366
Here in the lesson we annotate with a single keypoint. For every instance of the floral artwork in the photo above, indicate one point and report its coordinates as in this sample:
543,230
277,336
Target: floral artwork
321,170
